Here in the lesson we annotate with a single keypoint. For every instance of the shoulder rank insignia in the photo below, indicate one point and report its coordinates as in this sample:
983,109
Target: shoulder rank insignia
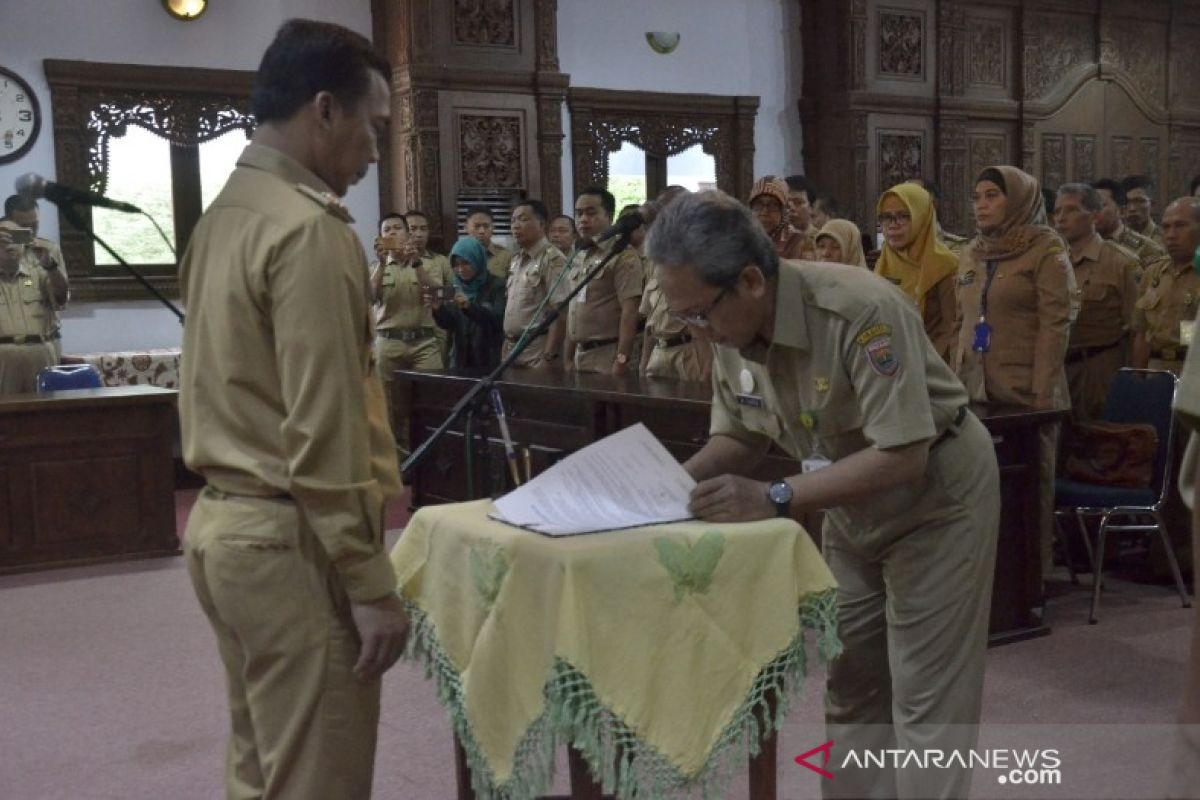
327,200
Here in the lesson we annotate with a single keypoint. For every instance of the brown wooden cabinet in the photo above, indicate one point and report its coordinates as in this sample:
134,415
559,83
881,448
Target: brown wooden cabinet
86,476
555,413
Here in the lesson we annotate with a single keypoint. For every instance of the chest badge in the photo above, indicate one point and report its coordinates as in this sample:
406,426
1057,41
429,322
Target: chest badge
746,381
821,385
808,421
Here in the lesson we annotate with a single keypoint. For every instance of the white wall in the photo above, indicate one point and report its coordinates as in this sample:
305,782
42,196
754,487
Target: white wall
749,47
231,35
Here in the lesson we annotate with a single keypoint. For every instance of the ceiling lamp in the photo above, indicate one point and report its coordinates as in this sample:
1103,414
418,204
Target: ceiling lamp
185,10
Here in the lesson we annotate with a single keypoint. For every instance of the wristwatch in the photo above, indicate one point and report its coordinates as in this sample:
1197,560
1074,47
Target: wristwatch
780,493
621,358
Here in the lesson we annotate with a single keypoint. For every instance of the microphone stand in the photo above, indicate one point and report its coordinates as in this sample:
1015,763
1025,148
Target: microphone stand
473,402
68,210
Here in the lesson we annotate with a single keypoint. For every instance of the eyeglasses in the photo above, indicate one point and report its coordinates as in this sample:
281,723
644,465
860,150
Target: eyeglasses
699,319
894,219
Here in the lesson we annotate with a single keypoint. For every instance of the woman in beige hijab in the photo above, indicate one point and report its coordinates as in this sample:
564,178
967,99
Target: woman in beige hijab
1016,290
914,259
840,242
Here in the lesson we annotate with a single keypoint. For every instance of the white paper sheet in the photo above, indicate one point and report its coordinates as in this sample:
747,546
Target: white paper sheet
624,480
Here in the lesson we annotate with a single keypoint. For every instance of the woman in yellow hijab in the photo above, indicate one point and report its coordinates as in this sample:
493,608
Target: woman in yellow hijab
840,242
915,260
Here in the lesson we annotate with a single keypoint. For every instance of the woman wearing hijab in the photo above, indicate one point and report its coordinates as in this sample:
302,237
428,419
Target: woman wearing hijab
915,260
1017,295
475,316
769,204
840,242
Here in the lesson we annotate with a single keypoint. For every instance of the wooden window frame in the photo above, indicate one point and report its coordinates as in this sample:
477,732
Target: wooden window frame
90,102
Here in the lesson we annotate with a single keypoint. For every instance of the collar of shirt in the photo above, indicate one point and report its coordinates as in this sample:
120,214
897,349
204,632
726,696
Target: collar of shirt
791,328
1179,269
276,162
533,253
1090,251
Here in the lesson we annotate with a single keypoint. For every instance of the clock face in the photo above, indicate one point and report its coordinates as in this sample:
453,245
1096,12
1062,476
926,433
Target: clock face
20,117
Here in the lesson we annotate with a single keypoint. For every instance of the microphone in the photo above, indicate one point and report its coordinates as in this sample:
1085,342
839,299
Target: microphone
33,186
625,225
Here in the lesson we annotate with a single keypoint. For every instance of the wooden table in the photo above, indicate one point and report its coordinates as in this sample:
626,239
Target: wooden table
555,413
86,476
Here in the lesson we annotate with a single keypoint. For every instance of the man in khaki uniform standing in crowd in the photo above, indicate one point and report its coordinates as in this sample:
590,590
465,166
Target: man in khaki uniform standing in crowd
29,293
481,224
833,366
1106,275
1139,207
535,276
434,264
602,323
1164,315
282,413
44,254
1110,225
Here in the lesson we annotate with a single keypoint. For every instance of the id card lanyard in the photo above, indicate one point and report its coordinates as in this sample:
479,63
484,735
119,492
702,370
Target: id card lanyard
983,331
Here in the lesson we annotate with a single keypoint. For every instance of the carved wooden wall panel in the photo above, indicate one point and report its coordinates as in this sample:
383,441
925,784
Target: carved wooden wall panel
488,23
1067,89
489,151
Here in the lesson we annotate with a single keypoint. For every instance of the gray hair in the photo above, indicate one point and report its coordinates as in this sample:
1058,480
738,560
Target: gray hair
1189,202
713,233
1089,198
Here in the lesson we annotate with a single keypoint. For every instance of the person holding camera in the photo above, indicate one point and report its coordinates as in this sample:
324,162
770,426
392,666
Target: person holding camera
28,297
472,310
406,336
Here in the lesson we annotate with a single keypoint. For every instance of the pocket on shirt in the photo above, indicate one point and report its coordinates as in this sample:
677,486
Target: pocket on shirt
1097,292
35,304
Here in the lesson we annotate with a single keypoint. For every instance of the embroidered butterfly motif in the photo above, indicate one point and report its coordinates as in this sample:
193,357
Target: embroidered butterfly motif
487,573
691,567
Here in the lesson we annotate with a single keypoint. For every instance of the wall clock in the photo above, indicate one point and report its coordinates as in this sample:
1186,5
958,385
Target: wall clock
20,116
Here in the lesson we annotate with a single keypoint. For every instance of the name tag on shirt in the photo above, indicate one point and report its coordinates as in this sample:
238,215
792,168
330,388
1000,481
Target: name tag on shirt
814,464
1186,328
751,400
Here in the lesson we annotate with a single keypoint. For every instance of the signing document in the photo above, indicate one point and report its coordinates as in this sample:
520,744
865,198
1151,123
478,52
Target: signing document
624,480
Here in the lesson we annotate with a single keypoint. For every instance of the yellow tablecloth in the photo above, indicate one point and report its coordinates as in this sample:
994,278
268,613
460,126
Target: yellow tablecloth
657,644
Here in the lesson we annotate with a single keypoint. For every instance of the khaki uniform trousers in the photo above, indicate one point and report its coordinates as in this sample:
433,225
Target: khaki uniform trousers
681,361
531,356
1088,379
301,725
914,596
19,366
393,354
599,359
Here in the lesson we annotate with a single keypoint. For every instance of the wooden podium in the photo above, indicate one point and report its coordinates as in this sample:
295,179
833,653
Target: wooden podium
555,413
86,476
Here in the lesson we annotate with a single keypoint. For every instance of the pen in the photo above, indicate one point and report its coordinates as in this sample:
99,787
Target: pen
528,464
510,452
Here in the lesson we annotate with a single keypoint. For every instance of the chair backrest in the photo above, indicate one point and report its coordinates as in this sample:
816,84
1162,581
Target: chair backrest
67,376
1146,396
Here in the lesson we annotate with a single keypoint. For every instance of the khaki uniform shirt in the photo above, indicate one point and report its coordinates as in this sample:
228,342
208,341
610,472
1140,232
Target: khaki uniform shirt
1169,297
55,325
399,304
499,260
1031,304
654,309
534,274
1106,275
1147,250
26,302
1152,232
849,367
279,394
596,311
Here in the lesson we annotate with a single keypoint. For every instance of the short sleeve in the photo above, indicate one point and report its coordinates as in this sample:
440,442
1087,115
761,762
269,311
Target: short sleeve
628,275
885,355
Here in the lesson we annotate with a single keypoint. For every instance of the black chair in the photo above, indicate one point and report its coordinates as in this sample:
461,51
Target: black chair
1135,396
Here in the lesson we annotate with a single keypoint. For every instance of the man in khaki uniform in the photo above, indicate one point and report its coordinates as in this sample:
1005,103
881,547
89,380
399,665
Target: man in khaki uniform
28,296
1166,312
434,264
282,413
833,366
1110,225
481,224
1139,207
1106,275
602,322
1184,776
534,282
41,255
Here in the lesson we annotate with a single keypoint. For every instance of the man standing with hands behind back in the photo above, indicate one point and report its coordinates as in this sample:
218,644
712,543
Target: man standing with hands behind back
282,413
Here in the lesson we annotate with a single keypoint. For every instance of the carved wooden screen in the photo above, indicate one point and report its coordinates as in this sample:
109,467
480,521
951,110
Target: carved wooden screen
662,125
93,102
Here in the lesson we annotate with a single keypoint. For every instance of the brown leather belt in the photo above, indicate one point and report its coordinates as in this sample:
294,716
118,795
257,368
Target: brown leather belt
1080,353
1170,354
515,339
30,338
958,421
672,341
592,344
406,334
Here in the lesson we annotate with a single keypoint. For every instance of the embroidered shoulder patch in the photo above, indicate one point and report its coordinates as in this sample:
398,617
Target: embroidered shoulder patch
872,332
876,342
